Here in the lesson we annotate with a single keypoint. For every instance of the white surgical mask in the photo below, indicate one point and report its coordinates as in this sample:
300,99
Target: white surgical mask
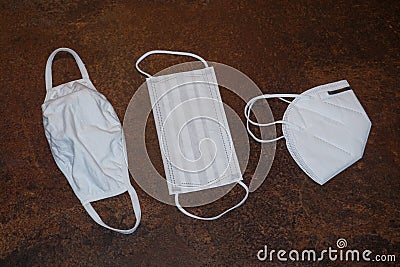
87,141
193,132
326,129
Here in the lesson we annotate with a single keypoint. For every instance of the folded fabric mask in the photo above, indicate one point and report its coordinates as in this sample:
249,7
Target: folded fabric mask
193,131
326,129
87,141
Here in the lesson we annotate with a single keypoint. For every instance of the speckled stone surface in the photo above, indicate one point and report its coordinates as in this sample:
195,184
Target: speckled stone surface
286,46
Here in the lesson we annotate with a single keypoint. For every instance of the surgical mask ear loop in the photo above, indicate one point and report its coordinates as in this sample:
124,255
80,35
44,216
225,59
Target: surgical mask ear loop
219,215
247,111
168,53
48,73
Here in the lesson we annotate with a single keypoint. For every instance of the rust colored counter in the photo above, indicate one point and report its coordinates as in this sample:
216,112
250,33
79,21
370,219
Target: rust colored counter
288,46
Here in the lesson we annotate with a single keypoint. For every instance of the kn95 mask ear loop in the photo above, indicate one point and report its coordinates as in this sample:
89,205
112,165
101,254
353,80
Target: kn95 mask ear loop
247,111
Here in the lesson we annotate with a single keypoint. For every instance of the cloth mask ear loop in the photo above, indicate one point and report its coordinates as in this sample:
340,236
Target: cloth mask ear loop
247,111
169,53
136,209
215,217
48,73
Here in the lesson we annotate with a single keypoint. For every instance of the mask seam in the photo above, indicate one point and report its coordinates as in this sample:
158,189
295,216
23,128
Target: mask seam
325,141
339,106
160,119
48,98
320,114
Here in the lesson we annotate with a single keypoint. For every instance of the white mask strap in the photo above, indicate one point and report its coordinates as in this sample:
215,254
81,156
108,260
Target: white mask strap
48,73
169,53
215,217
247,111
136,209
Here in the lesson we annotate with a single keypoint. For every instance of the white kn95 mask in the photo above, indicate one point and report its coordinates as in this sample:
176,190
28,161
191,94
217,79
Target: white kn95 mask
326,129
193,132
87,141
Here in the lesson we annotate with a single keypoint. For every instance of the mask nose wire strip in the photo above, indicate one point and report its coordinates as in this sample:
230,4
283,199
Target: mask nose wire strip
215,217
247,111
136,209
168,53
48,72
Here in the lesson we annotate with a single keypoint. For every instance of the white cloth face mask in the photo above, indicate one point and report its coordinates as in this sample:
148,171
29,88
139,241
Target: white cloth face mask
87,141
326,129
193,132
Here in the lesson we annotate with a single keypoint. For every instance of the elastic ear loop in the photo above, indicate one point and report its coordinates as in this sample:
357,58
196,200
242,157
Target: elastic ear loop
136,209
247,111
215,217
169,53
48,72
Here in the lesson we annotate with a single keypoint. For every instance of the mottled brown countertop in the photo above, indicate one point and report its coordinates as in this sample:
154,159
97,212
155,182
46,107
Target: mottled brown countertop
282,45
